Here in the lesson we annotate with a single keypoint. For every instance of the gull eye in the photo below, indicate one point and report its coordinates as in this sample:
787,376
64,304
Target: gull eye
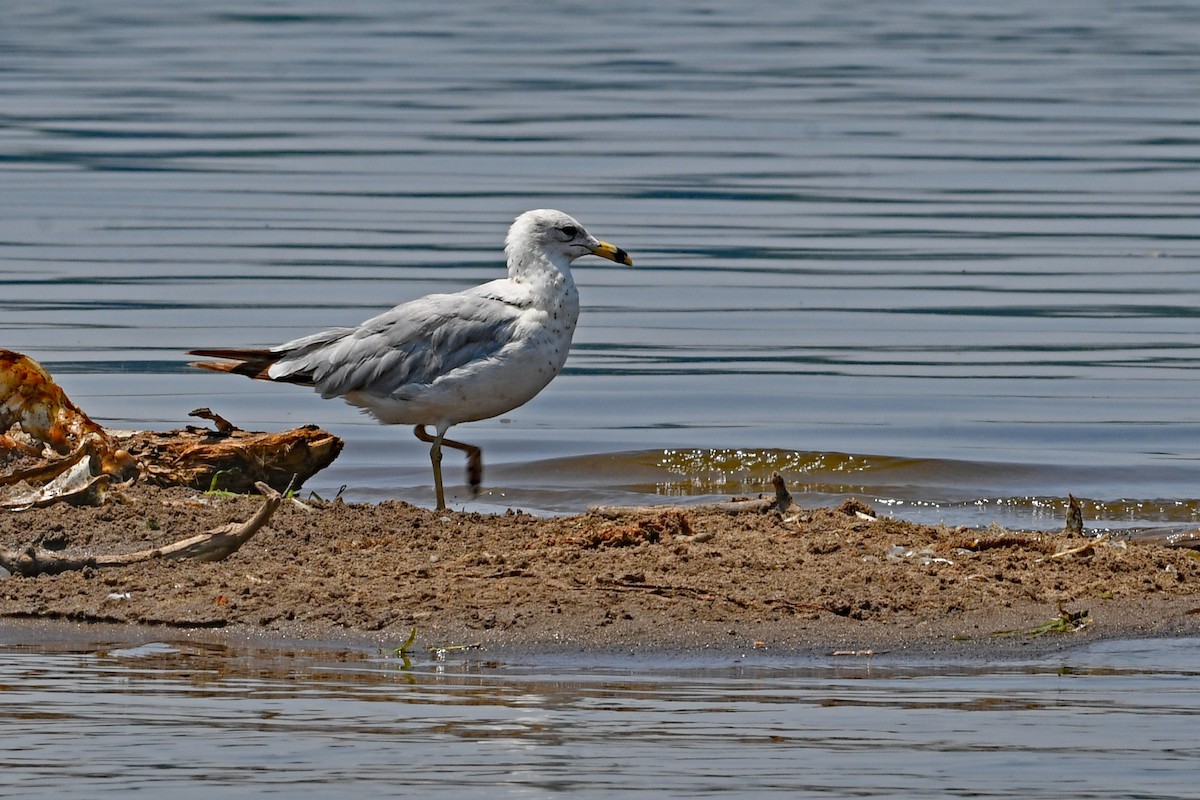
570,230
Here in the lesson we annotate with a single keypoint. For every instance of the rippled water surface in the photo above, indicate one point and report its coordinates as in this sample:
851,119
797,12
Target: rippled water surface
941,256
947,253
203,720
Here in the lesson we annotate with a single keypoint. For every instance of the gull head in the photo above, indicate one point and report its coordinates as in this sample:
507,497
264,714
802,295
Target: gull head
557,237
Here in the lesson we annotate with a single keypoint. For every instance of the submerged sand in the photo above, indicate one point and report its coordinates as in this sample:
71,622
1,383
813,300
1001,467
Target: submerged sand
821,581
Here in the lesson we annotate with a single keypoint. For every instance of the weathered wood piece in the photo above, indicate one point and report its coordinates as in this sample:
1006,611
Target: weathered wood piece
214,545
232,461
74,458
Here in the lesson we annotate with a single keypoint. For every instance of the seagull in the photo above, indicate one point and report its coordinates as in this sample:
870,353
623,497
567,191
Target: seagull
448,358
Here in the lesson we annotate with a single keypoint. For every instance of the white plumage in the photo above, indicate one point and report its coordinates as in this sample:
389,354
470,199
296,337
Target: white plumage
449,358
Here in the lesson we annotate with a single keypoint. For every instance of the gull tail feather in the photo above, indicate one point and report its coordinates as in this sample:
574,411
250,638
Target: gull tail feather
254,364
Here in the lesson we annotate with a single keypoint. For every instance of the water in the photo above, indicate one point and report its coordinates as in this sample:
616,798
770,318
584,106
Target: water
199,720
930,234
940,256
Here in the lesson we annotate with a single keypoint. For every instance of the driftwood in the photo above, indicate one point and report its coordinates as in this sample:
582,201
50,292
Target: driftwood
198,458
782,502
1084,549
47,469
1186,540
75,484
32,401
74,459
214,545
231,459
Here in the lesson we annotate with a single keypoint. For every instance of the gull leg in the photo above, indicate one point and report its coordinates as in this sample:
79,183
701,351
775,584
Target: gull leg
435,457
474,462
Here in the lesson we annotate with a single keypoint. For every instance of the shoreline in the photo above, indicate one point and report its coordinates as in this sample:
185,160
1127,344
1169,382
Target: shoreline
664,585
830,645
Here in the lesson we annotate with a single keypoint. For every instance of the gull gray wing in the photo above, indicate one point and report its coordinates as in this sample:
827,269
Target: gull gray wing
413,343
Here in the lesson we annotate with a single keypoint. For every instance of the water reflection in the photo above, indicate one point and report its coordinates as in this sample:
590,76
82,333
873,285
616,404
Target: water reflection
198,717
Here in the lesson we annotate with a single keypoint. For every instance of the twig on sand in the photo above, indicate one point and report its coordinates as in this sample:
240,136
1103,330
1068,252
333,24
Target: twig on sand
1074,551
214,545
630,584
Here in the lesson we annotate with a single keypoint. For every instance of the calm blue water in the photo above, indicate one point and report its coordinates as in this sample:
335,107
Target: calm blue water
193,720
946,253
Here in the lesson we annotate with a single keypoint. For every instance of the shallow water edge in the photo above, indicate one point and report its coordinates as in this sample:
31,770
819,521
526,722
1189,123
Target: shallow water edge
998,637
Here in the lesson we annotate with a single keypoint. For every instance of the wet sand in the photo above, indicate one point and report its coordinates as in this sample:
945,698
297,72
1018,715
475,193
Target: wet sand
818,582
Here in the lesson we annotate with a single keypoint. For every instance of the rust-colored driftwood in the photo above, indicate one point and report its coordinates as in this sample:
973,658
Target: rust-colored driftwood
214,545
30,398
75,459
205,459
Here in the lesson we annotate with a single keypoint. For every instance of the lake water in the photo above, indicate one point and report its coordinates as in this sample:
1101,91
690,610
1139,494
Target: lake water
943,257
940,256
195,720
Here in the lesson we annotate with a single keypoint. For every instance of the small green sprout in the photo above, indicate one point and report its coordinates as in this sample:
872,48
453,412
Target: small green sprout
403,649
